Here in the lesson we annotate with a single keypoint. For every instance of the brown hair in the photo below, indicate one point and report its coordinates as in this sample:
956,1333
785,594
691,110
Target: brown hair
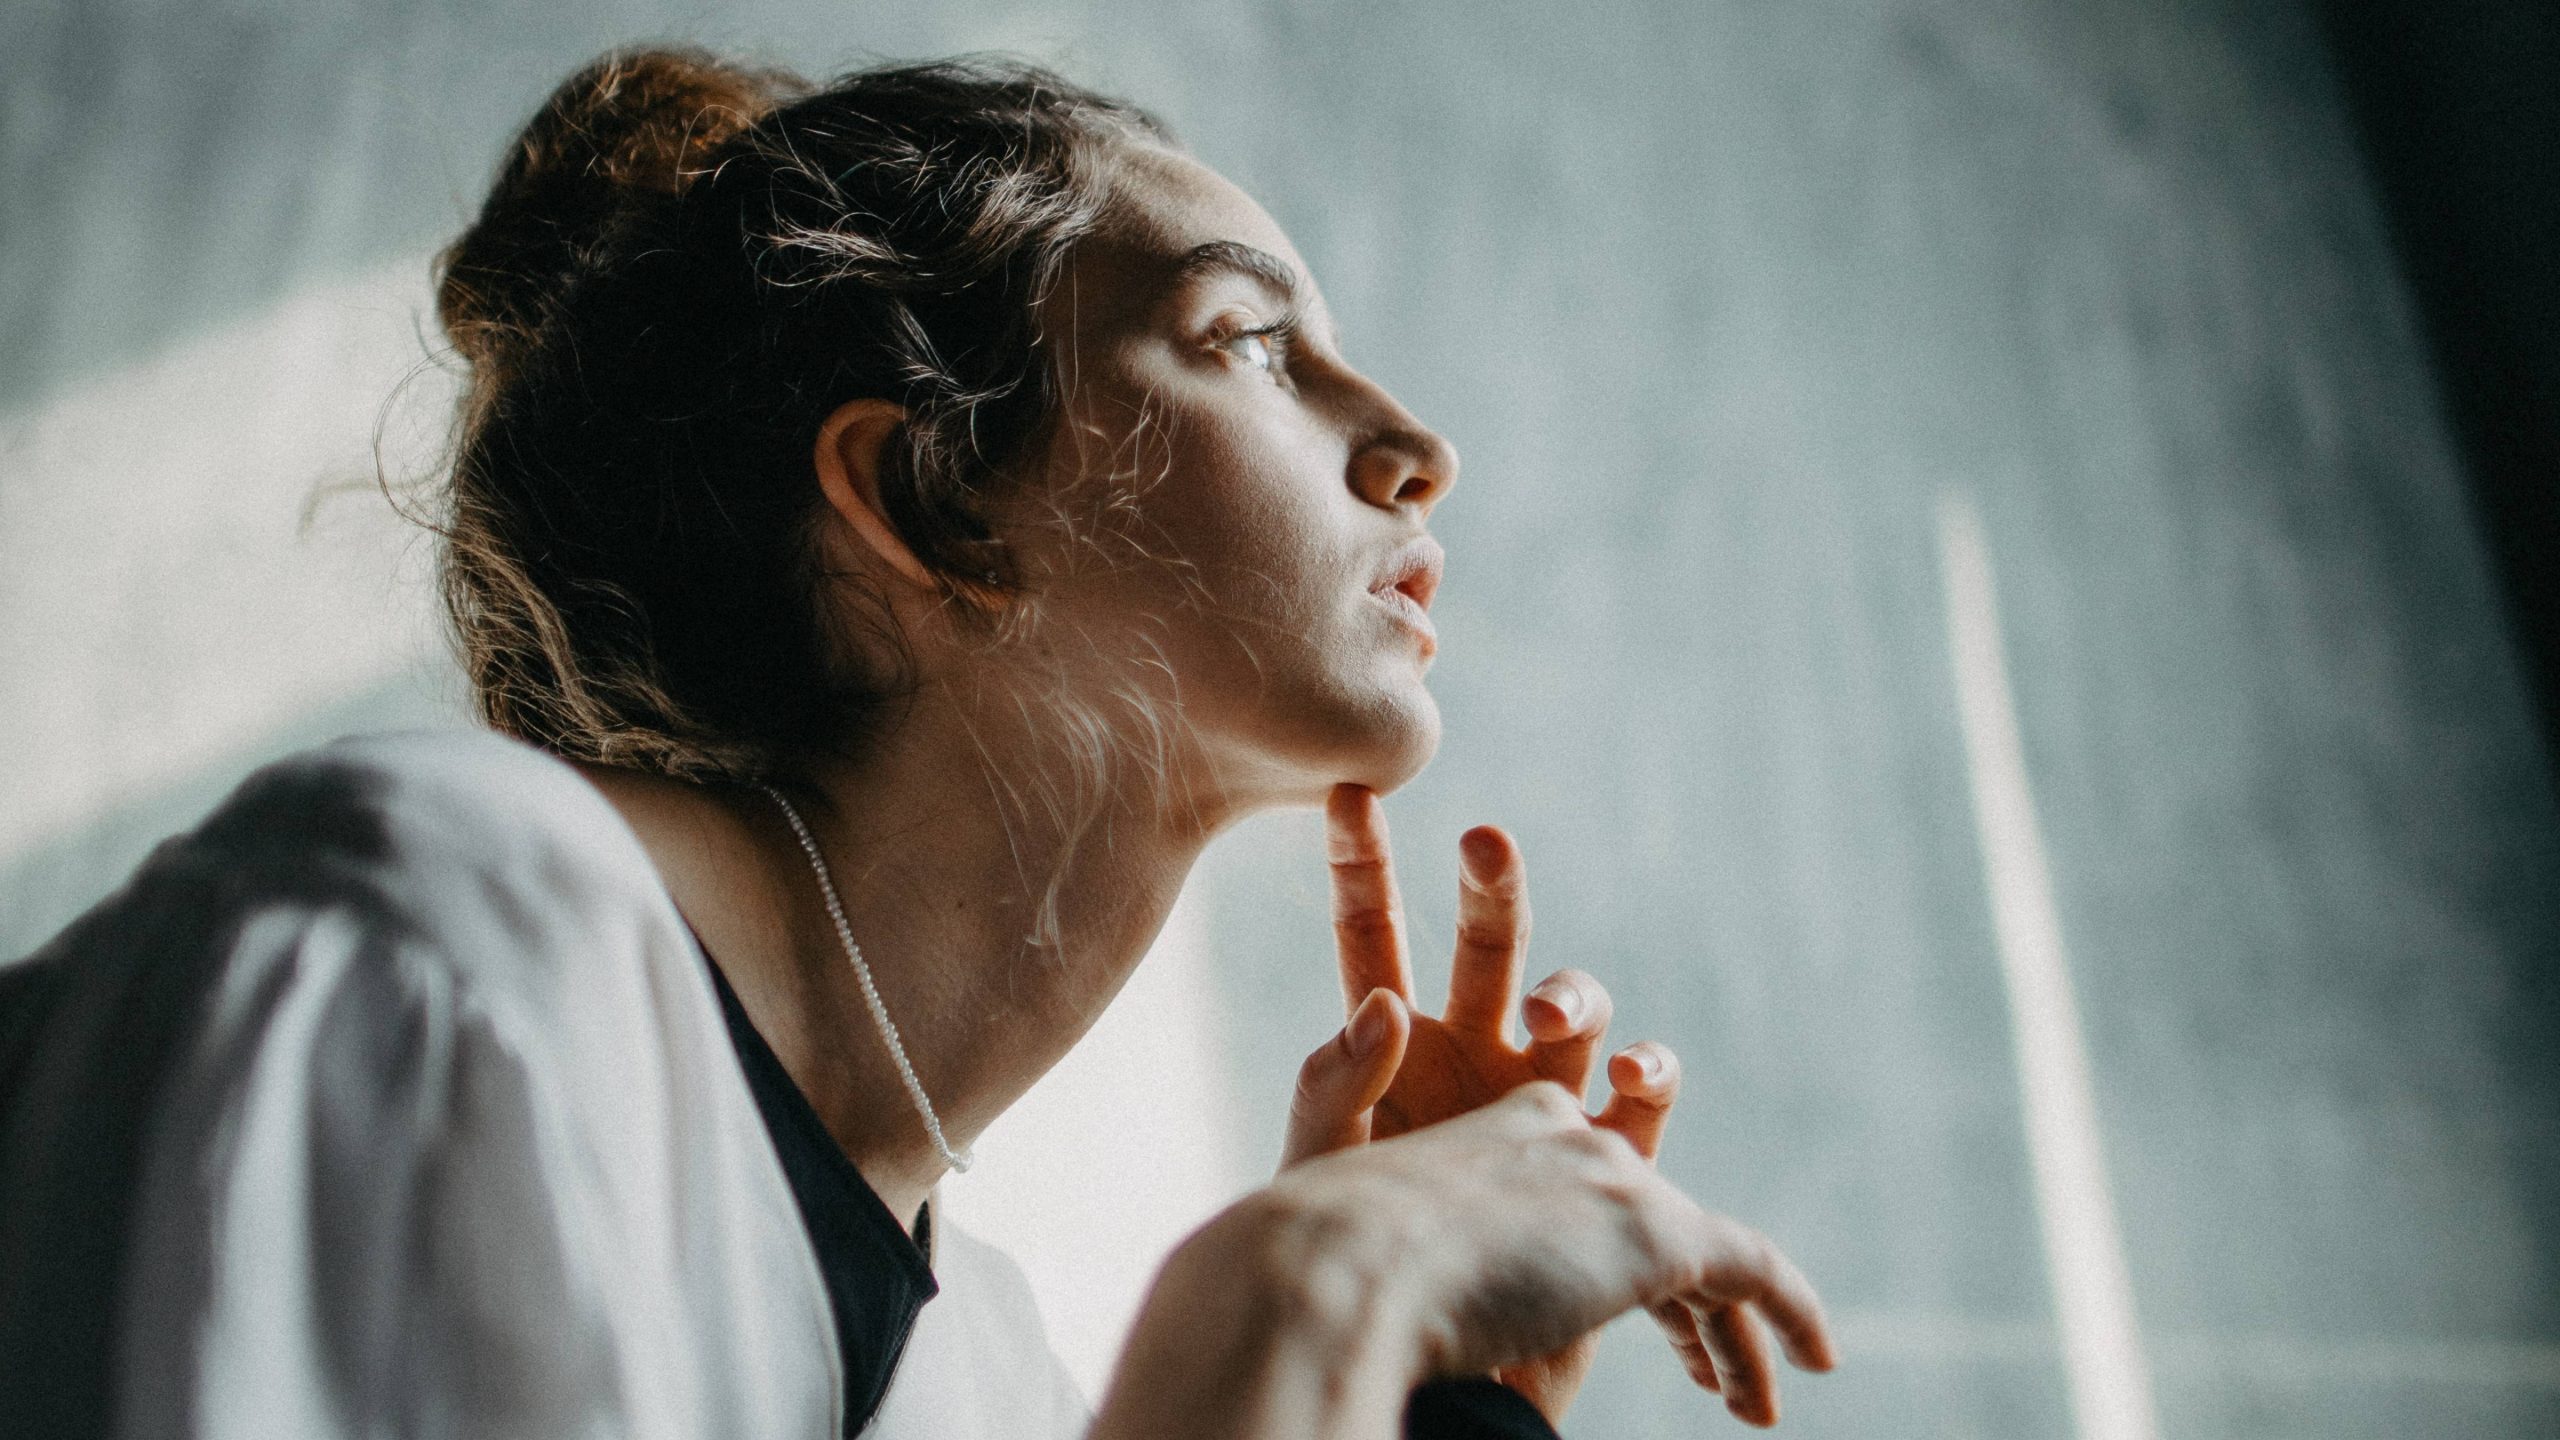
685,265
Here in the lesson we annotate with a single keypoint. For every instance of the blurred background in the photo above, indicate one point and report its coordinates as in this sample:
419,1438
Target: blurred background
2000,580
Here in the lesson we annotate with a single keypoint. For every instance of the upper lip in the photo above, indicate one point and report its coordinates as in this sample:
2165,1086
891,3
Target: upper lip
1414,568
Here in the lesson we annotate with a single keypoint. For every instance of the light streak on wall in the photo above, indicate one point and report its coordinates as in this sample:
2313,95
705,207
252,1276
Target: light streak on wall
2102,1348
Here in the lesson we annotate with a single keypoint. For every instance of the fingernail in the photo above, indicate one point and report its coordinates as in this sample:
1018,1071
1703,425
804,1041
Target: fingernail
1565,996
1368,1028
1648,1063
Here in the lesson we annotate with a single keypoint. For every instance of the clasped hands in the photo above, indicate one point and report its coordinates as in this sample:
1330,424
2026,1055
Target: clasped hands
1393,1070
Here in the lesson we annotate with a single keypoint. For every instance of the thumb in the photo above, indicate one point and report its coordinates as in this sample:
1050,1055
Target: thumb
1344,1078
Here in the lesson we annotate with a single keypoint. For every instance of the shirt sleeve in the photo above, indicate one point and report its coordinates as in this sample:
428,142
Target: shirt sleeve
364,1213
454,1142
1473,1408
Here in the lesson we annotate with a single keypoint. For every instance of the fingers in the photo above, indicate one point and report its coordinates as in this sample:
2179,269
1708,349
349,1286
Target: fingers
1644,1083
1742,1363
1795,1312
1744,1266
1579,1226
1566,1013
1368,919
1680,1326
1342,1080
1493,933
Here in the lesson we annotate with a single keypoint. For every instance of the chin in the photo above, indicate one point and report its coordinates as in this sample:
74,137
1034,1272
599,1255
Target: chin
1378,731
1381,742
1401,755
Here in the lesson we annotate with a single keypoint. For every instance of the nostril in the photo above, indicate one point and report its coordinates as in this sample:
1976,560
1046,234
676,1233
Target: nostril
1403,468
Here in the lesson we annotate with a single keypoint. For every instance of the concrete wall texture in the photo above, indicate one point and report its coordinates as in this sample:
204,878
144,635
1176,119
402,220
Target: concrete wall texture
1746,316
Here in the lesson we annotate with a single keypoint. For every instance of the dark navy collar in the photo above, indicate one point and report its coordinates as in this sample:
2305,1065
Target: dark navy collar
877,1277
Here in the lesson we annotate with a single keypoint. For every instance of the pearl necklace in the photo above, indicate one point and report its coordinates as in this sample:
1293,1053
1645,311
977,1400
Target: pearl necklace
956,1159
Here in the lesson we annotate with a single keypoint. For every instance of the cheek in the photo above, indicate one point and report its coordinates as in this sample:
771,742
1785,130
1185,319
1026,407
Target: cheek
1223,550
1247,507
1215,528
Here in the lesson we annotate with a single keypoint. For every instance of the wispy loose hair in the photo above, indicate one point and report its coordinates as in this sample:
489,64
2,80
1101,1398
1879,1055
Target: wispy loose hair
683,267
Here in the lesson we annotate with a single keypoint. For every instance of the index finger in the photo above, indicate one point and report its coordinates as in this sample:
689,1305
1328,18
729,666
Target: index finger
1368,919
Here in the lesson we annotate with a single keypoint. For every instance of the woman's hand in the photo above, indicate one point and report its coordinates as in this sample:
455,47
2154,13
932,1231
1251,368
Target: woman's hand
1392,1071
1311,1307
1428,1069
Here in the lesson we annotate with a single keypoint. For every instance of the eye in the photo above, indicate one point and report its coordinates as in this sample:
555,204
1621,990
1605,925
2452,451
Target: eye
1262,347
1254,348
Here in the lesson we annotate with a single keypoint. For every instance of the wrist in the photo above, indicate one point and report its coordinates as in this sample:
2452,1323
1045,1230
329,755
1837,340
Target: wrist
1279,1317
1332,1277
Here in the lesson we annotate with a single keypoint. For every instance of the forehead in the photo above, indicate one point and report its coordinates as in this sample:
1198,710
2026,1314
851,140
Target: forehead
1166,202
1164,206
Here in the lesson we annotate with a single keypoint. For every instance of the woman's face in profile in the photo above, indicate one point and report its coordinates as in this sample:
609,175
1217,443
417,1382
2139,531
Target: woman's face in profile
1231,504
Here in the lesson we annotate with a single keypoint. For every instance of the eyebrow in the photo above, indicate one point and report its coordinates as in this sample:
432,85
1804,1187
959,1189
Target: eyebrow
1234,257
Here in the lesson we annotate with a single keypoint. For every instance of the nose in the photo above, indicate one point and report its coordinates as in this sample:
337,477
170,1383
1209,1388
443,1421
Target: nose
1406,465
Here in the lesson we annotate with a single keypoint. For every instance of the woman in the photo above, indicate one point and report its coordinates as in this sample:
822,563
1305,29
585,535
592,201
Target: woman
921,512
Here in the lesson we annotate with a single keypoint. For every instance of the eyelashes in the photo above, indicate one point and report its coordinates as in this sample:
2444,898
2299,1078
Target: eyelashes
1263,347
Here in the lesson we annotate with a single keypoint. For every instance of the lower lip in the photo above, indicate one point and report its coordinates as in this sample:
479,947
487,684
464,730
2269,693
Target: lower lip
1405,608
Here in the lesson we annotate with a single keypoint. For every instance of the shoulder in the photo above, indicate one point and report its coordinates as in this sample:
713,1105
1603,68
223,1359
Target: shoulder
499,859
386,915
455,850
474,881
399,1061
408,815
366,908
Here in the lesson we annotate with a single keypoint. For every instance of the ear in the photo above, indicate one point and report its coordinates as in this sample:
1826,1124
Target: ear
851,443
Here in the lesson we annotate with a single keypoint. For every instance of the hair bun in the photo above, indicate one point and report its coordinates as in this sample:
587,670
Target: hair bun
634,126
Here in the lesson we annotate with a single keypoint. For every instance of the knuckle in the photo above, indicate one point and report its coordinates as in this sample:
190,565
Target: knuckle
1314,1084
1613,1149
1654,1234
1318,1061
1607,1165
1549,1101
1365,919
1761,1256
1746,1266
1590,1143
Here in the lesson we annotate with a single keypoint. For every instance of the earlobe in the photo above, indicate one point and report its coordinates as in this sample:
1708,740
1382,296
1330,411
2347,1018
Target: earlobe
852,443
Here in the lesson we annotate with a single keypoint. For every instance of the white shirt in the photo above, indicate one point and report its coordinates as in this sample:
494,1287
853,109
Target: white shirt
395,1100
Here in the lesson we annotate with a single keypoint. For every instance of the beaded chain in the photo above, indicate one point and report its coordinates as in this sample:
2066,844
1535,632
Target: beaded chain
956,1159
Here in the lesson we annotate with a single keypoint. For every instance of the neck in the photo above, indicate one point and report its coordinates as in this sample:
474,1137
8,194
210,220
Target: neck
1001,891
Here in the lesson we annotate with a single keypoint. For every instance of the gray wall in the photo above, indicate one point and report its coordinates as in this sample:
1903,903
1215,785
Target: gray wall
1720,299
